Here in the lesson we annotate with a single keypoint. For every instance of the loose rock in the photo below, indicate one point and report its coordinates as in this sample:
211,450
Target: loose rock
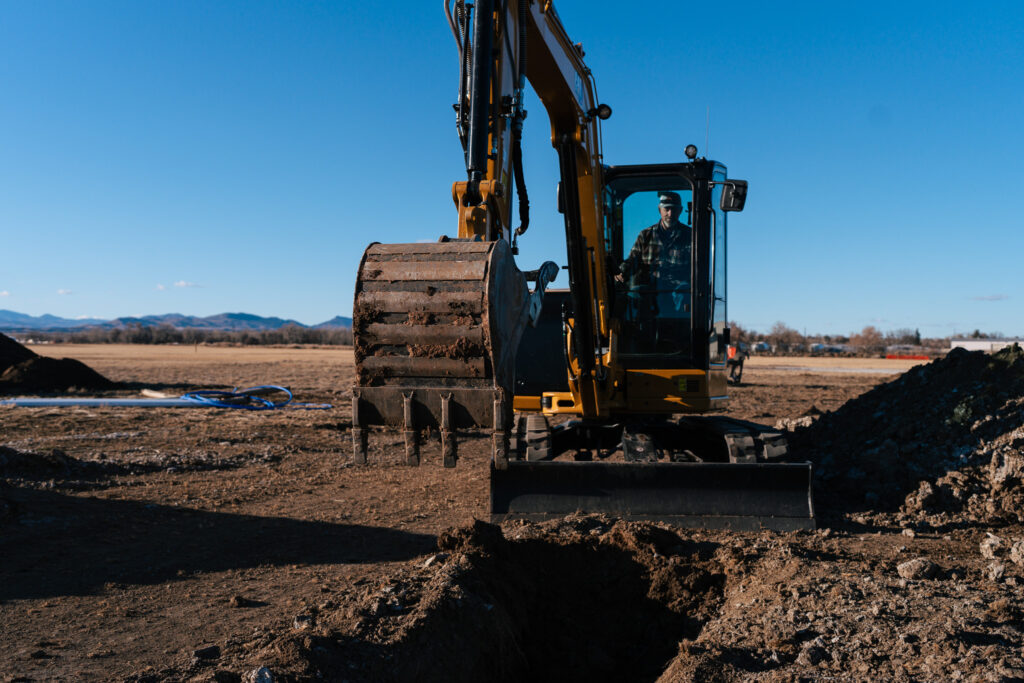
434,559
918,568
260,675
1017,552
991,546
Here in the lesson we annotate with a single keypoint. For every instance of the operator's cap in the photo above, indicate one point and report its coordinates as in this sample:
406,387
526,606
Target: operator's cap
669,199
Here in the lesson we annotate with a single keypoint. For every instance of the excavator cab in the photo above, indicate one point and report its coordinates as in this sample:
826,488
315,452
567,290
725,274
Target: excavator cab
660,451
666,298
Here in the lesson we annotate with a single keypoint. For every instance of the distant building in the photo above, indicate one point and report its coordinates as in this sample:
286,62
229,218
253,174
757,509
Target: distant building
986,345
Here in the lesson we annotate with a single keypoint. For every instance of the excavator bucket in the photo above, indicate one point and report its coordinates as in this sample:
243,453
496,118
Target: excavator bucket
436,327
742,496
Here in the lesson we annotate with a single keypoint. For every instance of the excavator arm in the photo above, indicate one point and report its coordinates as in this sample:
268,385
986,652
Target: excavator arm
437,325
530,45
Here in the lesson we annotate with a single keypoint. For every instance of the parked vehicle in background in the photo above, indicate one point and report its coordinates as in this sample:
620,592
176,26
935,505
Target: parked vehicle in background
827,350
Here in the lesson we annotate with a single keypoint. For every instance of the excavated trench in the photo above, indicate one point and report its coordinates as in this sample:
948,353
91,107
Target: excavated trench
576,600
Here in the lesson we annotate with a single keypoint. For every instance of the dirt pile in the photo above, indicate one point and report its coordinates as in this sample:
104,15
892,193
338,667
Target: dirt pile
578,599
824,606
944,438
22,370
12,353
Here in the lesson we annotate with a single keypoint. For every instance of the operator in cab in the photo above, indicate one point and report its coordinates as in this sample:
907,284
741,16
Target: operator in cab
657,271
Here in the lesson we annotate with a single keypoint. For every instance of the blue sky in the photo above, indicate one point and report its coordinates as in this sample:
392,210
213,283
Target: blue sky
202,157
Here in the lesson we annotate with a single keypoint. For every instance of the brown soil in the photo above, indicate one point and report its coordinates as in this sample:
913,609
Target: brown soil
202,544
420,318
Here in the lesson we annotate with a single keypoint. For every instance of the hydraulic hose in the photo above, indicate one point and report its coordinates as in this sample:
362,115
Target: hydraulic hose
517,129
451,23
480,99
465,54
517,170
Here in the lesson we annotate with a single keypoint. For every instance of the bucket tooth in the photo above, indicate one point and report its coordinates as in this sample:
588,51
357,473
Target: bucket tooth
449,443
412,441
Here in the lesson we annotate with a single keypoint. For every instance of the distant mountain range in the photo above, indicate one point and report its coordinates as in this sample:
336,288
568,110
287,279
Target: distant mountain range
12,321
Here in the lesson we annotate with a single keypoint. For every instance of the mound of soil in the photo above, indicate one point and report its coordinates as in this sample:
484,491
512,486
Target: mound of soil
12,353
946,437
577,599
40,373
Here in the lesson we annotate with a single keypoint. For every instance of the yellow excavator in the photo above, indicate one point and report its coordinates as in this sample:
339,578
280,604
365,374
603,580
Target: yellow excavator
600,397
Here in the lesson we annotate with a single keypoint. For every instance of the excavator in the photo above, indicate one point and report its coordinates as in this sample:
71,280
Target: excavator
602,397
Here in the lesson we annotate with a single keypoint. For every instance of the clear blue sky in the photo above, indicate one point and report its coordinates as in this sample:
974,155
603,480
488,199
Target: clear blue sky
202,157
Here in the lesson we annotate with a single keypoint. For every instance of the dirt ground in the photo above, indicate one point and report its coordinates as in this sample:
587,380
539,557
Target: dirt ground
150,544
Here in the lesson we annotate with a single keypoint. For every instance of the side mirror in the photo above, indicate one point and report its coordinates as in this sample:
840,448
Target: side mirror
734,195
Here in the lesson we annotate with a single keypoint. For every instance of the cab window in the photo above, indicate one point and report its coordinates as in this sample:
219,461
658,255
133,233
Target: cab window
650,238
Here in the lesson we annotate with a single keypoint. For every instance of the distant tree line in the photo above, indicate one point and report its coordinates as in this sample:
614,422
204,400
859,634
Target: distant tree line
781,338
868,342
166,334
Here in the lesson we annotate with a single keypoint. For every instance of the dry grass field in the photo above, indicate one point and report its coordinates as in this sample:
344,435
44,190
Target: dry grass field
147,544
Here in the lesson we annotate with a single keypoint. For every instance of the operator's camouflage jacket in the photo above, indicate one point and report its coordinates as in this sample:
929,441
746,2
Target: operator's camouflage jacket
659,260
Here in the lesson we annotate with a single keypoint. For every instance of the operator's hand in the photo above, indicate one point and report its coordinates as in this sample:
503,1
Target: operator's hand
619,277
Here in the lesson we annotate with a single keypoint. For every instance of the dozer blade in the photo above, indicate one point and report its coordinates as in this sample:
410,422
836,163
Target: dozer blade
436,327
743,496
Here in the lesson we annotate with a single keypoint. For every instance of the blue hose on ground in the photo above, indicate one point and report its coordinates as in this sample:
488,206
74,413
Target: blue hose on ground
245,399
250,399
